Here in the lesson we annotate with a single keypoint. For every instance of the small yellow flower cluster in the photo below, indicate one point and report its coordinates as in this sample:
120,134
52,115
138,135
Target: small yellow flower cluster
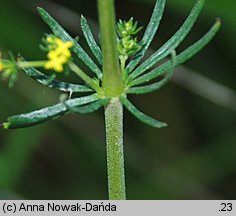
59,55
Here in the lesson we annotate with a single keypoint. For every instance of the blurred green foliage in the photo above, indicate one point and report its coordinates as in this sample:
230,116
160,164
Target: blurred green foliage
194,158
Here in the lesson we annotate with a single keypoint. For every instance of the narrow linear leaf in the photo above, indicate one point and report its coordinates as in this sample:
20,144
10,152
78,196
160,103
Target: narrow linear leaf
90,39
159,84
55,84
152,87
181,58
59,31
81,101
149,33
35,117
46,114
141,116
172,43
90,107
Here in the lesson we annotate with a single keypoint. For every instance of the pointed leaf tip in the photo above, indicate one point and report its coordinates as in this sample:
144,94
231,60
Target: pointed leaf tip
218,21
5,125
40,10
82,16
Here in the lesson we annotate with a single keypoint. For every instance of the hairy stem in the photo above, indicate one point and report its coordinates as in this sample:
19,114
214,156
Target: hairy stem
113,87
115,152
112,81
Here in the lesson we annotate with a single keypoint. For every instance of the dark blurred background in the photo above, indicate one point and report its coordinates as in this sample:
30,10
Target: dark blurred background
193,158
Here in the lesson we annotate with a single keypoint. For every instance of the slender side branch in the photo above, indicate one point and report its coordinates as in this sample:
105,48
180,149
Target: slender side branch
91,82
112,81
115,152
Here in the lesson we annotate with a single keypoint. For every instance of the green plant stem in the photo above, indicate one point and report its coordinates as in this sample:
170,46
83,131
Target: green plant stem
28,64
113,87
115,152
85,78
123,60
112,81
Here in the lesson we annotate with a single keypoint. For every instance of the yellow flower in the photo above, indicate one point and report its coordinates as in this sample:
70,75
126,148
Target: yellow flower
56,63
1,66
59,55
50,39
